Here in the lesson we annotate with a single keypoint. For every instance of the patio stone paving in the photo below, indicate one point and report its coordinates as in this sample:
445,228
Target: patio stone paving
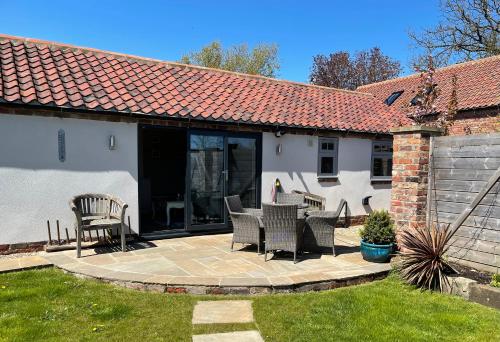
23,263
208,261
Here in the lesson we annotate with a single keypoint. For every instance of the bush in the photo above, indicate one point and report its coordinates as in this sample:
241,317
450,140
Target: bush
378,228
423,261
495,280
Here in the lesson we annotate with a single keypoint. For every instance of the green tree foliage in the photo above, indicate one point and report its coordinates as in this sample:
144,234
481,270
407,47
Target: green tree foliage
261,60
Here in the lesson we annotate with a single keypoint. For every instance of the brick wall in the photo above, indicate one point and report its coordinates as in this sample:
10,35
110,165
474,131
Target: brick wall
475,121
410,167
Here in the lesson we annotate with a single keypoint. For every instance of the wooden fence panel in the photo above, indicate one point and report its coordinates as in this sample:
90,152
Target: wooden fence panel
461,167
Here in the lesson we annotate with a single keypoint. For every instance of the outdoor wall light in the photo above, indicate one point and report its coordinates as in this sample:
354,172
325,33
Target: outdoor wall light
112,142
366,200
279,149
279,132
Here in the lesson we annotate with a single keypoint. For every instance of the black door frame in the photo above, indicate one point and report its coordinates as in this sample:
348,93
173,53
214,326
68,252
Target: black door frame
187,193
140,162
258,175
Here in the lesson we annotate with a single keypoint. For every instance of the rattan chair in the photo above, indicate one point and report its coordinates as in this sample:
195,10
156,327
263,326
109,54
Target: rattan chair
293,198
285,198
282,228
319,230
246,227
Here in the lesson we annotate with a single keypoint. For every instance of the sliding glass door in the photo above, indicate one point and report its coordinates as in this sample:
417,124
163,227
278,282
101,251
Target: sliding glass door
206,180
220,164
242,169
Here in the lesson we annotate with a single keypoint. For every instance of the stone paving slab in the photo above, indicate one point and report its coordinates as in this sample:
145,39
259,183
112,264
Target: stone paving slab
240,336
206,264
223,311
23,263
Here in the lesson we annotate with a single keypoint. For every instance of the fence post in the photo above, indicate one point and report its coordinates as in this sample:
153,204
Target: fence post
410,175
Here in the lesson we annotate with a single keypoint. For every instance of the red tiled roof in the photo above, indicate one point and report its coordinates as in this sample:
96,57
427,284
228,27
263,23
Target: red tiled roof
478,85
50,74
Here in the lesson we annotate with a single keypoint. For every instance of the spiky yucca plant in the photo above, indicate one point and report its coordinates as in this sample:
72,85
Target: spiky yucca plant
423,263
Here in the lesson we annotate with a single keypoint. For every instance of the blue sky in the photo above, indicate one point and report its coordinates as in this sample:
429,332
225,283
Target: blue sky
167,29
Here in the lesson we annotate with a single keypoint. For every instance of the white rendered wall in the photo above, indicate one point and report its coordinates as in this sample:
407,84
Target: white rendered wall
296,168
35,186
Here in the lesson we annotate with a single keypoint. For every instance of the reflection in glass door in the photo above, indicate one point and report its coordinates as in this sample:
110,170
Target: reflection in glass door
206,179
242,169
220,164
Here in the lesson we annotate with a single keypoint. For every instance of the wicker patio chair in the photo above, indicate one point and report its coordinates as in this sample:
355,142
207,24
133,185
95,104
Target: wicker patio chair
282,228
320,228
246,227
293,198
285,198
98,211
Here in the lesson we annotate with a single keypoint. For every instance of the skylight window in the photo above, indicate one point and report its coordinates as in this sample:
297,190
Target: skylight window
393,97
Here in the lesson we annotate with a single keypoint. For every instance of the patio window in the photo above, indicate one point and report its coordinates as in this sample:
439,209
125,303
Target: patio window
381,160
327,157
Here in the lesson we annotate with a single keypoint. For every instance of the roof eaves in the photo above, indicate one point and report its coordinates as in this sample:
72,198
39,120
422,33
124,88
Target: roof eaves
98,110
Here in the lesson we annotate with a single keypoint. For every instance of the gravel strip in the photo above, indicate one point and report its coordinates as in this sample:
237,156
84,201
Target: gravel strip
20,255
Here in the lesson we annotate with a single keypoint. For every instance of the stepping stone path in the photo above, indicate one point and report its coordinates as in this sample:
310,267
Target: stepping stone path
225,311
239,336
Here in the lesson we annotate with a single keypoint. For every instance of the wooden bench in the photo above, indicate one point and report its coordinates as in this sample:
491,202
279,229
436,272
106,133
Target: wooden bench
98,211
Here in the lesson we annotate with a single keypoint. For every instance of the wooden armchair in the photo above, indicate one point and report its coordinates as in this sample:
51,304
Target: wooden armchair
98,211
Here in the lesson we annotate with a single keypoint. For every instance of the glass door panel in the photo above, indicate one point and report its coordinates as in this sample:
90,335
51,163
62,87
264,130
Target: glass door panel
206,179
220,164
242,169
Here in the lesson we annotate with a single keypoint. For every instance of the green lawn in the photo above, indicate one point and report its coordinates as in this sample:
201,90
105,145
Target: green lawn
49,305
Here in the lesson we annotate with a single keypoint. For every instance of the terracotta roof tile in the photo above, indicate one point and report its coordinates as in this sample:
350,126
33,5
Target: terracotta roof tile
38,72
478,85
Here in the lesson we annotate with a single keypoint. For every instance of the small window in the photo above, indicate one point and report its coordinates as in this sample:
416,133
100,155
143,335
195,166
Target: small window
327,157
382,160
393,97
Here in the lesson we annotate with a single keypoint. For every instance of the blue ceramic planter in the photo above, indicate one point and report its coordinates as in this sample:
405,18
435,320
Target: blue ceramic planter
376,253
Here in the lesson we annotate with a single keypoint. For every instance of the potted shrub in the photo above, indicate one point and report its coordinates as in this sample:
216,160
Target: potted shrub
377,237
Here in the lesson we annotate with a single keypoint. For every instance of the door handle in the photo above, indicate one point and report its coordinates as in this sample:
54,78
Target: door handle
226,175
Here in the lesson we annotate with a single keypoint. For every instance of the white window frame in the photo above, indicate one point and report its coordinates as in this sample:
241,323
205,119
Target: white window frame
380,154
328,153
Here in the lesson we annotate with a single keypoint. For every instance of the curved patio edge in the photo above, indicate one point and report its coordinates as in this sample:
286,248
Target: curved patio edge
226,286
